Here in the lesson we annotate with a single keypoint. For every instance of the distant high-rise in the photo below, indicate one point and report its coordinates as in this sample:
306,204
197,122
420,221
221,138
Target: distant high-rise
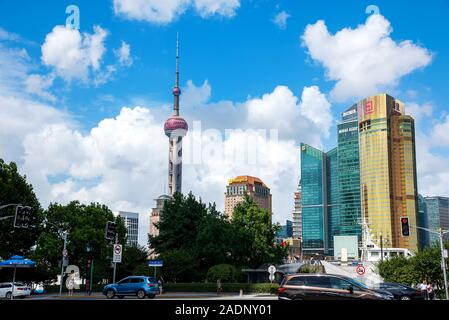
131,220
175,129
252,186
387,170
297,217
437,210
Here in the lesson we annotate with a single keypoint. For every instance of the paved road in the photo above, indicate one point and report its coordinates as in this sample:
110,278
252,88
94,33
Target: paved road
165,296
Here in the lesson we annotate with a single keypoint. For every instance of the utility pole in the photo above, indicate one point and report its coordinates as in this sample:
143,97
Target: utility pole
381,248
443,263
62,261
115,263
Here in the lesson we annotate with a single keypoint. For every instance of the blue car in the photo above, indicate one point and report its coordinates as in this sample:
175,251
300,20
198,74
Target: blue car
140,286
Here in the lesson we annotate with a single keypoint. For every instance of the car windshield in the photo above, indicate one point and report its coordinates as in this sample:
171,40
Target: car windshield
355,282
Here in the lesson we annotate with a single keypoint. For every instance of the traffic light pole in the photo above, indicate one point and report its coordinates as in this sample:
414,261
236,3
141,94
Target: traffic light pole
443,263
440,234
62,262
115,263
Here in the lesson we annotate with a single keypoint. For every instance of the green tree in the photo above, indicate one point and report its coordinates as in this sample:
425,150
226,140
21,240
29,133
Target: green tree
134,262
179,266
224,272
14,189
86,226
190,228
254,236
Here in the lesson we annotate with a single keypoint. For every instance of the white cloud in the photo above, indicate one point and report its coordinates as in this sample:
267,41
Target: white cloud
166,11
226,8
364,60
280,20
39,85
419,111
316,107
124,55
440,132
72,55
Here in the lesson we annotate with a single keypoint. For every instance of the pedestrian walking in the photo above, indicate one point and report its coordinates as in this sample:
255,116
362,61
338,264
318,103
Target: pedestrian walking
160,283
71,282
430,293
219,287
423,287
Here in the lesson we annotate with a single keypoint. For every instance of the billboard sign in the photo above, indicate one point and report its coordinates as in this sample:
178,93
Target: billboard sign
369,107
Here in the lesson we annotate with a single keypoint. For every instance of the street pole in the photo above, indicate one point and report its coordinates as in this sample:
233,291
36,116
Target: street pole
381,248
62,262
115,263
443,264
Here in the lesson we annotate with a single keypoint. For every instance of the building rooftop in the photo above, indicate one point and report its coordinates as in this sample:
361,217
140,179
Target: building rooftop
246,180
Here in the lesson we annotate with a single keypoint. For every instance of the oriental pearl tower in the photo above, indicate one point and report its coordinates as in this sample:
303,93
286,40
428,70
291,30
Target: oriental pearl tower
175,129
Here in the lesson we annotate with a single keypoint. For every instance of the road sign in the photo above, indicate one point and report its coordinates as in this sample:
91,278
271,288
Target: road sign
65,253
272,277
445,254
156,263
272,270
117,258
360,270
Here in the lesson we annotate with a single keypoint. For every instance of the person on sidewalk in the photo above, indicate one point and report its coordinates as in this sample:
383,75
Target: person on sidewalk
219,287
160,283
430,293
423,287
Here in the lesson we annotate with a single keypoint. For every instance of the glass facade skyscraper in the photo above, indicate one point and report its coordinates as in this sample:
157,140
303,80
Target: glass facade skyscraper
312,198
319,198
349,175
387,170
437,209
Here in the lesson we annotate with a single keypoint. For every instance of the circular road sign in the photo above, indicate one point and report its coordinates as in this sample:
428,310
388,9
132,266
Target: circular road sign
65,253
117,249
272,269
360,270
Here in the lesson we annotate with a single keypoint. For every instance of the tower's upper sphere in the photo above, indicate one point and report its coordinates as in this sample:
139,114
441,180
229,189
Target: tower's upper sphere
176,126
176,91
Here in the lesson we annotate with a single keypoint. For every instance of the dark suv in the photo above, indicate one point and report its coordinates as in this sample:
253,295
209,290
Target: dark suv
327,287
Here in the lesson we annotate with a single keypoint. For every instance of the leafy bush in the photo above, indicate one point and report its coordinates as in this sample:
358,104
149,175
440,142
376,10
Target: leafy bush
311,269
224,272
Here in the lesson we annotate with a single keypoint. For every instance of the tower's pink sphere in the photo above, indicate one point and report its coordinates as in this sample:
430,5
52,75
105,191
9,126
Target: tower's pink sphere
176,123
176,91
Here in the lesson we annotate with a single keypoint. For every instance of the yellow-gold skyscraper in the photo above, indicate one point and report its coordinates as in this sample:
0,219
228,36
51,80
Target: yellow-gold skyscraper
387,170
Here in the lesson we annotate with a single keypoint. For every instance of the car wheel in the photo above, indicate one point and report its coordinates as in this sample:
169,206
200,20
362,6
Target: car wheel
110,294
8,296
141,294
405,298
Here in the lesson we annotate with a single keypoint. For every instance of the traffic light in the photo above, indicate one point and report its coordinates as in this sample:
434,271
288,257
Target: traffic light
22,217
111,229
405,227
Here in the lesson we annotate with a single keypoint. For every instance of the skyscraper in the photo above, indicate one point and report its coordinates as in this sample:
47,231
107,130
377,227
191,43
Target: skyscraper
175,129
387,170
297,214
437,210
252,186
319,198
131,220
349,174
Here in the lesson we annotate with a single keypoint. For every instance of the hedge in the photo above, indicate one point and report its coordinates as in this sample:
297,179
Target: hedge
227,287
193,287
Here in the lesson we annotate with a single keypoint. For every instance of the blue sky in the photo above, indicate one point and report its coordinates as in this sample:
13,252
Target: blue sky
246,72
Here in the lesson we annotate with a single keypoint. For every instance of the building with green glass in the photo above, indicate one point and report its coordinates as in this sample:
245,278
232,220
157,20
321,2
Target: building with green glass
319,196
437,216
349,175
